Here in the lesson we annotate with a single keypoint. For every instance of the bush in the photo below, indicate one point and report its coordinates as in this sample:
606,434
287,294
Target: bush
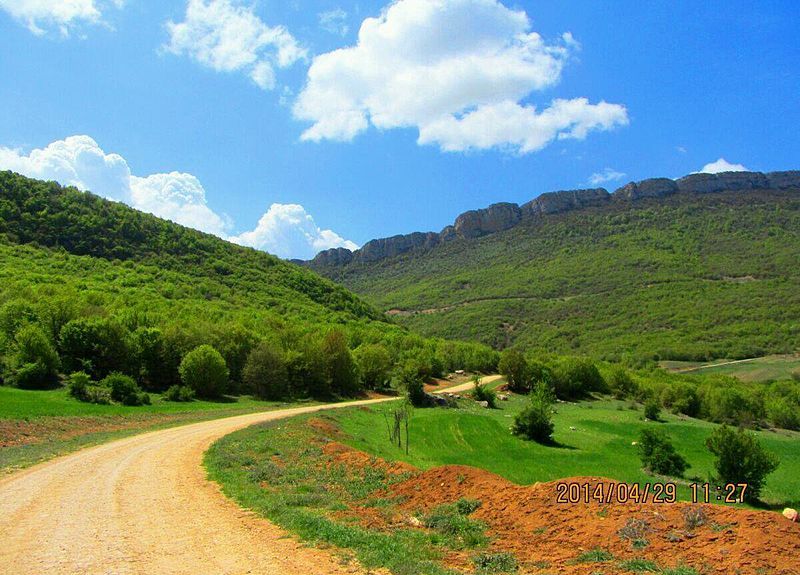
534,422
621,383
576,377
124,390
741,459
182,393
34,361
413,386
514,368
658,454
652,409
81,387
204,370
265,372
484,393
783,413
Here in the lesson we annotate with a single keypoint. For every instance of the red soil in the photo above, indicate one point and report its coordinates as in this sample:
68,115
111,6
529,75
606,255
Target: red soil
527,521
544,534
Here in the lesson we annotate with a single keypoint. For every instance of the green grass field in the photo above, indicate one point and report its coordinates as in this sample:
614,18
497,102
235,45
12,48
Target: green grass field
769,368
599,445
38,425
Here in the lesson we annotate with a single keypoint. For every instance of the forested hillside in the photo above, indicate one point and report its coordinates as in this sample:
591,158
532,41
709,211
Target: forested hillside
94,286
684,276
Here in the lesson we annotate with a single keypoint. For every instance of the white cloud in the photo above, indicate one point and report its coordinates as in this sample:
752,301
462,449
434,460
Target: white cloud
606,176
722,165
458,71
65,15
227,37
285,230
334,21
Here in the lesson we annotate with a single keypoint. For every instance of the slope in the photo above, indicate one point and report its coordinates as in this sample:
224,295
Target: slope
700,268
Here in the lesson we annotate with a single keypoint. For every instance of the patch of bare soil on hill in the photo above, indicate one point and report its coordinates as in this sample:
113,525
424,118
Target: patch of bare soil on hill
547,536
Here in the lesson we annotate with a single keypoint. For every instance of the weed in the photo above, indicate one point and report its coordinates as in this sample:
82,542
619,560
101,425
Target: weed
639,566
459,531
636,531
467,506
680,570
596,555
694,517
495,563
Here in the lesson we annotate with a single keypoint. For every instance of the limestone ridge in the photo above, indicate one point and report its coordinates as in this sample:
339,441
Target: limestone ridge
502,216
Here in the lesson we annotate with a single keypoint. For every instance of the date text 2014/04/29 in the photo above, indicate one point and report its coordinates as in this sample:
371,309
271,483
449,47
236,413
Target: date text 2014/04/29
608,493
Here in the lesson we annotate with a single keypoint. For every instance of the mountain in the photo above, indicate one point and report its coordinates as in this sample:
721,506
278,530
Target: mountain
701,267
137,293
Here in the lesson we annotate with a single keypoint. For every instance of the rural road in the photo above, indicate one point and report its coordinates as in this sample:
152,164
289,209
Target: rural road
143,505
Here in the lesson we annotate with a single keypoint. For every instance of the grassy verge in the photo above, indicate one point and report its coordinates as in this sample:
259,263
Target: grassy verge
600,443
279,470
760,369
38,425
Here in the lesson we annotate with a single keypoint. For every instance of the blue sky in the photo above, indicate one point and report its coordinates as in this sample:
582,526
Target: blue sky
243,119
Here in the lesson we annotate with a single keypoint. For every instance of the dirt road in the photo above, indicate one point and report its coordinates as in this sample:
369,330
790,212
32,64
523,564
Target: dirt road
143,505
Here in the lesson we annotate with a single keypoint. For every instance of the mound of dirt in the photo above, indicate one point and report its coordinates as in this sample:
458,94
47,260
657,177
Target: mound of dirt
338,453
529,522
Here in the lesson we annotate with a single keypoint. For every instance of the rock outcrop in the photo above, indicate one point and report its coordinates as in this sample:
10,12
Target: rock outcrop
503,216
495,218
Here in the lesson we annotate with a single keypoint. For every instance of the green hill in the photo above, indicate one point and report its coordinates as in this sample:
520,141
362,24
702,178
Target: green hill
695,269
136,293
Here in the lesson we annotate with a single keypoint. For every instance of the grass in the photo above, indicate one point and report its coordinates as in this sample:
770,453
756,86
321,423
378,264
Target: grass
769,368
600,444
39,425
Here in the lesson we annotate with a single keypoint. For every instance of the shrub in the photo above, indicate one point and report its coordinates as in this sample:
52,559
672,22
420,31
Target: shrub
124,390
534,422
741,459
621,383
265,372
413,386
694,517
783,413
204,370
514,368
182,393
495,563
77,385
484,393
463,531
652,409
658,454
575,377
636,531
34,361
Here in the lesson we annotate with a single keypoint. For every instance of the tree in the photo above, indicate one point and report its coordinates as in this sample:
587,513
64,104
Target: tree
340,369
621,383
204,370
534,422
413,385
741,459
97,346
652,409
575,377
514,367
375,364
265,372
34,363
148,345
658,455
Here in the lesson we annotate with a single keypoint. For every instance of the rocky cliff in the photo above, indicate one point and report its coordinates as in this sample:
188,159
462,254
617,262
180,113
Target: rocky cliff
502,216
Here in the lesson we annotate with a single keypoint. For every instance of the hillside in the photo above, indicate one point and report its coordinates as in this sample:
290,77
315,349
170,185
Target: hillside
698,268
110,289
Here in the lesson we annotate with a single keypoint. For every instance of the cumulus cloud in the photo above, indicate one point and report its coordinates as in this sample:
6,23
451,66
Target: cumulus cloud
606,176
65,15
456,70
285,230
334,21
228,37
722,165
